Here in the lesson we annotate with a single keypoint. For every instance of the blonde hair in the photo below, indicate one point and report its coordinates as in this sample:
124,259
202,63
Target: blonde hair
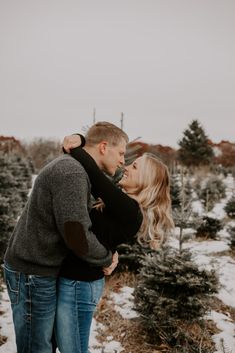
153,196
104,131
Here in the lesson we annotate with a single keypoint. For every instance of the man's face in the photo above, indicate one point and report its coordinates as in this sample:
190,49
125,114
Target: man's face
113,157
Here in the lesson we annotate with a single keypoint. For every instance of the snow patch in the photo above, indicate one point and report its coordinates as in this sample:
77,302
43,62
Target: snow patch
123,303
226,337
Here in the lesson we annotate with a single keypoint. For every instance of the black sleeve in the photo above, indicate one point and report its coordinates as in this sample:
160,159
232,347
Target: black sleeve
120,205
83,142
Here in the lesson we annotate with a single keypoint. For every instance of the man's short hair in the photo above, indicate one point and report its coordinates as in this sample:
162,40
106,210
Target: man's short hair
104,131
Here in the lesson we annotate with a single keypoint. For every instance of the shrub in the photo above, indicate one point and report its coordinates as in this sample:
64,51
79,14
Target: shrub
230,207
171,294
209,228
212,192
131,256
175,191
15,181
231,231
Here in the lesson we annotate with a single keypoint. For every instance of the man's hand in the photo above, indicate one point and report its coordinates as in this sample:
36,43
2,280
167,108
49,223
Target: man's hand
71,142
108,270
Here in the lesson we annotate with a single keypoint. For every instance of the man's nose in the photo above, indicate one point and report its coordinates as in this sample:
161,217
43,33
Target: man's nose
122,161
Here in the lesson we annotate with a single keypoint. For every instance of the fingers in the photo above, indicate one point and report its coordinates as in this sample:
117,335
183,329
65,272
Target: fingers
71,142
108,270
99,205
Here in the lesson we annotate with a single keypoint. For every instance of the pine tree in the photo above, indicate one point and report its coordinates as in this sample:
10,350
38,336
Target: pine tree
194,148
212,192
131,257
172,294
209,228
15,181
230,207
175,191
183,215
231,231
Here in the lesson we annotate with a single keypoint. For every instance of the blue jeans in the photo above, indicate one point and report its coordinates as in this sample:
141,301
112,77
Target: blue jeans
33,303
76,303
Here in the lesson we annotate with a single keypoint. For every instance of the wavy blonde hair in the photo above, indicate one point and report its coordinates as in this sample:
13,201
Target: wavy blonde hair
153,196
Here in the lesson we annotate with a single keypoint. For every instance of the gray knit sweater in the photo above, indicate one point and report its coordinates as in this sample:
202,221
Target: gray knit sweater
55,219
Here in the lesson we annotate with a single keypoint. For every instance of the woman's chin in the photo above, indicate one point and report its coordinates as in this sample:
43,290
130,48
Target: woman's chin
121,183
123,186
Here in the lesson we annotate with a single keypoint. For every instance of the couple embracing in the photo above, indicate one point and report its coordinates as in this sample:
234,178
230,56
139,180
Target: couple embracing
62,247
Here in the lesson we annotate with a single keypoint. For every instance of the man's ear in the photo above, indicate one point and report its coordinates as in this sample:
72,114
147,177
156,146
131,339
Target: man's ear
103,147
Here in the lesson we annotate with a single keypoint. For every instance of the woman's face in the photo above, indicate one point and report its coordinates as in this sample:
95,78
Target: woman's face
131,176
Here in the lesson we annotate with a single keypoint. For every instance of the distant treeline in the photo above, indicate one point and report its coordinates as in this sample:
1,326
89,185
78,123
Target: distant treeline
195,149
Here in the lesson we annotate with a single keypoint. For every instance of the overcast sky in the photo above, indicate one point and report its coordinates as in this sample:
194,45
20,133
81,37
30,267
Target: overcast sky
162,63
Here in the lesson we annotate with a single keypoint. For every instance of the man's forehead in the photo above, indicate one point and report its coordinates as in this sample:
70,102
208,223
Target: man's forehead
121,145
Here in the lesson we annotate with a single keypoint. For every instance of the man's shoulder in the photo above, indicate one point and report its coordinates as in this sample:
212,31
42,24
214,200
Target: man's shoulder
62,166
64,163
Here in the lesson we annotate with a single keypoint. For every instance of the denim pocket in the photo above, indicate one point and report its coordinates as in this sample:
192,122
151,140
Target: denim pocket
96,290
43,285
43,281
43,294
12,279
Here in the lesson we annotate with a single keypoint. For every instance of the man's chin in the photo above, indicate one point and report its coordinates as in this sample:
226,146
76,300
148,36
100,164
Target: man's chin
110,173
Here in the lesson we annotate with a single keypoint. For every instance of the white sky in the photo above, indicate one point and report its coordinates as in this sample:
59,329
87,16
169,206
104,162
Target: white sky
161,62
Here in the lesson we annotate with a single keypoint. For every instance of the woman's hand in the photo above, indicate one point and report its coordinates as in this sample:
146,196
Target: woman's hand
71,142
99,204
108,270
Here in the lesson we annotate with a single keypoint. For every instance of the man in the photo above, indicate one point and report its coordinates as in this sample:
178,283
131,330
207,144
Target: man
55,219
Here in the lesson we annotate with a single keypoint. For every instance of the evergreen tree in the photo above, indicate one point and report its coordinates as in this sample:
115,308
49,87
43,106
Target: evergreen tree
175,191
212,192
15,180
230,207
183,215
131,257
231,231
171,294
194,148
209,228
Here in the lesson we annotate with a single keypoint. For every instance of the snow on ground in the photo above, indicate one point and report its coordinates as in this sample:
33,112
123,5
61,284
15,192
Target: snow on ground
123,303
197,207
6,324
6,329
229,183
110,346
206,255
224,340
218,210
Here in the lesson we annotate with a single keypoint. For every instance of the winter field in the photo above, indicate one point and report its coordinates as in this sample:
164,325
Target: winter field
208,254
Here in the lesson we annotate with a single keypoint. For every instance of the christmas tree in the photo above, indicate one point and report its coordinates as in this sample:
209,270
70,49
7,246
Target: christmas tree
171,294
15,181
194,147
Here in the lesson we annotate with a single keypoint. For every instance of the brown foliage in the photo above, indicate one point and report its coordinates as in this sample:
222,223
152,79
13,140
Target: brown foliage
227,156
42,151
10,144
166,153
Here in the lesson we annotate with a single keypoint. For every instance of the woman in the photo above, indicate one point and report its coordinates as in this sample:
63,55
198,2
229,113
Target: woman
142,208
